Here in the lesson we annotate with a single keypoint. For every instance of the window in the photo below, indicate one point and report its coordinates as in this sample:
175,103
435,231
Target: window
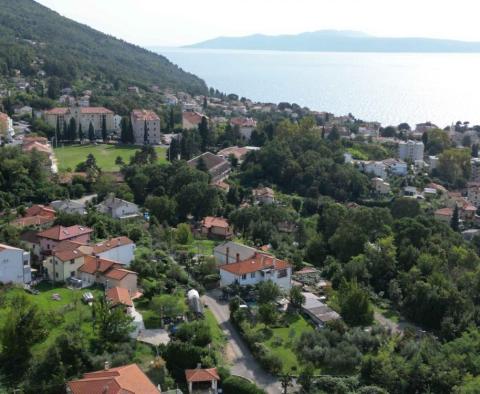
244,276
72,274
282,273
72,261
252,275
56,274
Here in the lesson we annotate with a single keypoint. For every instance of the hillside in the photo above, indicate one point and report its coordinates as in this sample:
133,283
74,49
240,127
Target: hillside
338,41
33,36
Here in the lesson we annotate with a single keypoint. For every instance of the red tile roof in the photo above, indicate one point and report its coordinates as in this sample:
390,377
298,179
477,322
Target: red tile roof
60,233
57,111
144,114
111,244
243,122
258,262
119,296
193,117
444,212
68,250
118,273
92,264
201,375
95,110
40,210
31,221
128,379
211,221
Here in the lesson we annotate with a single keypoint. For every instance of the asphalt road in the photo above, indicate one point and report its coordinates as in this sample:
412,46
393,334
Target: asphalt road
242,360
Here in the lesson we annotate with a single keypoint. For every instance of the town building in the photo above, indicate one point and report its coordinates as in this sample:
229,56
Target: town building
258,268
232,252
119,296
97,116
119,249
475,173
191,120
410,150
473,193
146,127
215,227
69,206
6,127
202,380
64,262
380,186
50,238
444,215
245,126
38,216
217,167
263,195
120,380
14,265
118,208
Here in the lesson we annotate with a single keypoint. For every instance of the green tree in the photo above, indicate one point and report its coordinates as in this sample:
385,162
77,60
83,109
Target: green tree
91,132
72,130
124,127
355,306
104,129
455,221
184,234
201,166
163,208
268,292
111,324
145,133
204,132
296,297
268,313
81,134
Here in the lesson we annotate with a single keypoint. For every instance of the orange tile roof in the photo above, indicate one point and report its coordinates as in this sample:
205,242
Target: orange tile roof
128,379
60,233
212,221
92,264
95,110
201,375
444,212
243,122
119,296
31,221
118,273
57,111
193,117
144,114
68,250
40,210
111,244
258,262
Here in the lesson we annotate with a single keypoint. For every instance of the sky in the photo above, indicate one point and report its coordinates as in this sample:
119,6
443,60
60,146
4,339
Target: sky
176,23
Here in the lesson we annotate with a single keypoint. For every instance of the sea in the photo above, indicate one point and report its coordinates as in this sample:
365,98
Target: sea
388,87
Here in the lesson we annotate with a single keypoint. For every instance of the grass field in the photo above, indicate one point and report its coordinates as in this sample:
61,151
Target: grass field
69,156
282,341
58,314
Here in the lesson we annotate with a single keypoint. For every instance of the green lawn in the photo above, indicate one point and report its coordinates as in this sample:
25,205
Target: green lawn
203,246
69,156
58,314
282,341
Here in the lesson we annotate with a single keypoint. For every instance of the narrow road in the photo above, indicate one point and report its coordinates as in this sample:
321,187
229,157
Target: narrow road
243,362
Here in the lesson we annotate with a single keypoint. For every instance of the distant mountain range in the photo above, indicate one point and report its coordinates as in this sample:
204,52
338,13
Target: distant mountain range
338,41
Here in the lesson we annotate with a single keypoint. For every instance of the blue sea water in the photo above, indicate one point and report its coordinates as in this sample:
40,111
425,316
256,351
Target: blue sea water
388,87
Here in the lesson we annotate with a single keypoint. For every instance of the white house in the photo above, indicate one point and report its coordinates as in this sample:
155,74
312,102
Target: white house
264,195
69,206
232,252
120,249
14,265
380,186
118,208
259,268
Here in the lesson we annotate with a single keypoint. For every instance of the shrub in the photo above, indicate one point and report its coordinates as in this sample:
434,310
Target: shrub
237,385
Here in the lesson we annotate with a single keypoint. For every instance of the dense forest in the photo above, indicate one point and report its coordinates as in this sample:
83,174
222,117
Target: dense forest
31,34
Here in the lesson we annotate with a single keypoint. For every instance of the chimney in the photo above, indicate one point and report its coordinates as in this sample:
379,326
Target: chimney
107,365
238,257
199,365
228,254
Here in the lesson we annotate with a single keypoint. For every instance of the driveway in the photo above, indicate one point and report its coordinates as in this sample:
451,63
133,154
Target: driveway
242,360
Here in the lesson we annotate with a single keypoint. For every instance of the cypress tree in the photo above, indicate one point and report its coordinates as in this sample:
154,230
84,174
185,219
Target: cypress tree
72,130
145,134
80,132
454,223
104,129
124,128
91,132
65,131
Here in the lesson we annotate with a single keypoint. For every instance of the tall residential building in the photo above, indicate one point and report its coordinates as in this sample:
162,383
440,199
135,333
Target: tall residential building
14,265
97,116
411,150
146,127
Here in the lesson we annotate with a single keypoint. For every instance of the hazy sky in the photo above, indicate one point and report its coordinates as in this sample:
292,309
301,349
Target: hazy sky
172,23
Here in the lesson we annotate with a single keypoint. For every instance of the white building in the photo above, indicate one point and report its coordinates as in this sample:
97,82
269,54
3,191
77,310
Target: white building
473,193
380,186
118,208
146,122
245,125
410,150
259,268
232,252
14,265
120,249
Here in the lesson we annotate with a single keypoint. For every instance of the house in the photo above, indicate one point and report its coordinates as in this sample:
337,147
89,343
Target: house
231,252
380,186
66,258
410,191
146,127
119,249
216,227
258,268
36,216
245,126
205,380
14,265
6,127
30,240
217,167
263,195
319,312
410,150
120,380
118,208
473,193
69,206
108,273
396,167
119,296
444,215
133,89
433,161
191,120
98,117
50,238
238,152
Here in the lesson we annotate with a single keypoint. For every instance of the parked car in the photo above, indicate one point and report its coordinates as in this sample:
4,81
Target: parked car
87,297
74,282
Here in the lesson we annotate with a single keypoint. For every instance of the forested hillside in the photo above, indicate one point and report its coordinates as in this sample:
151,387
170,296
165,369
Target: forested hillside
33,36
